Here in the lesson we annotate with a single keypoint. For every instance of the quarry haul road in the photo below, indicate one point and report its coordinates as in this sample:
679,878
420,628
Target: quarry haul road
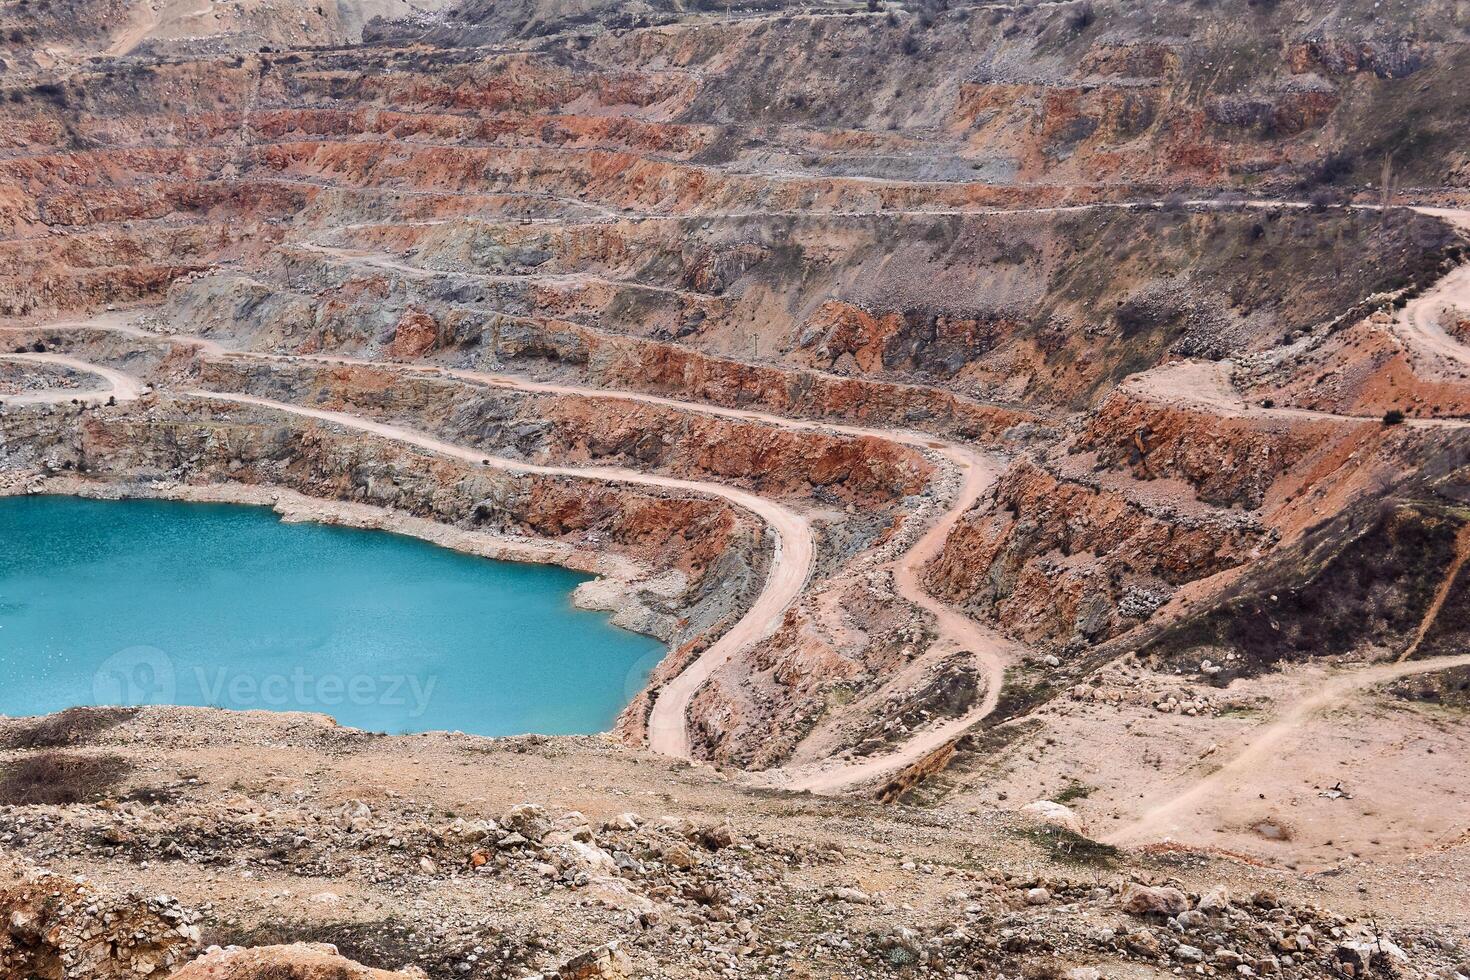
791,561
1203,384
1155,824
668,721
990,649
122,387
668,728
1206,384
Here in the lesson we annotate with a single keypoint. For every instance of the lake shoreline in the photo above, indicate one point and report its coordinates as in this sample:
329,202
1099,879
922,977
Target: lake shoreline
617,589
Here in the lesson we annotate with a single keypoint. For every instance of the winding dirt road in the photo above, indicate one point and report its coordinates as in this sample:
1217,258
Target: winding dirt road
668,731
122,387
668,721
956,631
790,564
1158,820
667,724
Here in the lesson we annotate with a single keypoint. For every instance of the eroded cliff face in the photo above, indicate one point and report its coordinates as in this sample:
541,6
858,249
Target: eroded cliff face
909,368
1070,561
798,251
716,551
1385,575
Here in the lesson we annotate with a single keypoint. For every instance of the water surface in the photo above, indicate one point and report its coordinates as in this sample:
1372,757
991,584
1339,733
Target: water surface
146,602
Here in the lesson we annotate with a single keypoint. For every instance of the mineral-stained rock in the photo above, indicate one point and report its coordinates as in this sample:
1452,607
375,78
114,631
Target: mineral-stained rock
50,920
415,335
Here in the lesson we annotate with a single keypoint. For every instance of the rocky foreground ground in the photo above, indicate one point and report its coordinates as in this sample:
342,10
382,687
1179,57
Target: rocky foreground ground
455,856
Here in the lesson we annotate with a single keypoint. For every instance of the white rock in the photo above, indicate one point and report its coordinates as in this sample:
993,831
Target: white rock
1054,814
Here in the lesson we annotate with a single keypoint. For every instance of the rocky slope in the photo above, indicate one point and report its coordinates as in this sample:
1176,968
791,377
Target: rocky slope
961,390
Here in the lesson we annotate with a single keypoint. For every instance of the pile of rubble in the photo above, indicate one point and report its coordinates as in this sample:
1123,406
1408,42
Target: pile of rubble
57,927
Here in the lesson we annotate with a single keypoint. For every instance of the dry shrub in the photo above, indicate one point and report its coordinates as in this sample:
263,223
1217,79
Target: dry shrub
58,778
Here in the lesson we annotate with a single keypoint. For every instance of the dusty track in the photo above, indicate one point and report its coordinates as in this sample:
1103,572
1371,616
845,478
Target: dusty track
668,729
956,631
667,725
120,386
1157,821
1206,384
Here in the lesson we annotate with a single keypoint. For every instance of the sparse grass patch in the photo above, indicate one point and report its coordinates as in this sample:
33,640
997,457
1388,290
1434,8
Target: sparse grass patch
1068,848
59,778
1073,791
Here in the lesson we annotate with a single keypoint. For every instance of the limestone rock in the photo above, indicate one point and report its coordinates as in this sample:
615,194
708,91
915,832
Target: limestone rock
1051,814
601,963
527,819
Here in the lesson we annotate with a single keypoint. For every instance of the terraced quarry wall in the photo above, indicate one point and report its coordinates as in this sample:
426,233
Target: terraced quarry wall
662,206
987,403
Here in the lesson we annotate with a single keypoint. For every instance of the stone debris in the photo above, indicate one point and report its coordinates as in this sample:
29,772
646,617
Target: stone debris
680,891
55,925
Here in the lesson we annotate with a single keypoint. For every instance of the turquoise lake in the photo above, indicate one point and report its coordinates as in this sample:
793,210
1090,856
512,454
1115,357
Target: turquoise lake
159,602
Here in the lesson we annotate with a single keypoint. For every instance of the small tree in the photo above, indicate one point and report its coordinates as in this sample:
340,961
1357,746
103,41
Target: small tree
1393,417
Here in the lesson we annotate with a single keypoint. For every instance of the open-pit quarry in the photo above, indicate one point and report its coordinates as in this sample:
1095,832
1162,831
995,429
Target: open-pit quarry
1036,435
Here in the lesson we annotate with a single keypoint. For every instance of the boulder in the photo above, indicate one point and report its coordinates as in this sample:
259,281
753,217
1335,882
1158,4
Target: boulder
623,821
600,963
855,896
1147,900
590,858
527,819
1050,814
1214,901
299,961
678,856
570,826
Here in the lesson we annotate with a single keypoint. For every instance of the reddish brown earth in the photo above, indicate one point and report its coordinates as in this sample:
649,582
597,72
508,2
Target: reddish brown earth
987,403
